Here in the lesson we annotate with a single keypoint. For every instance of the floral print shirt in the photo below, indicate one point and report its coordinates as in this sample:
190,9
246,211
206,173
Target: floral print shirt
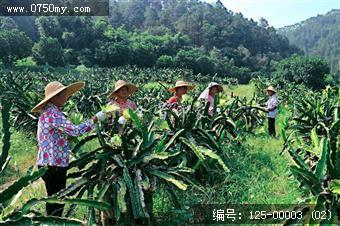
53,130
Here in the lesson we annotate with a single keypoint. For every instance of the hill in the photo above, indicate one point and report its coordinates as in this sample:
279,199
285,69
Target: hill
318,35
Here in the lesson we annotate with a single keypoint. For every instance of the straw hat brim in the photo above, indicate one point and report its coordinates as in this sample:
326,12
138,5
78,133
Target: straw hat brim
131,89
69,91
273,90
219,87
173,89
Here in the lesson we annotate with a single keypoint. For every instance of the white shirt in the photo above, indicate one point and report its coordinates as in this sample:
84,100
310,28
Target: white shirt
271,103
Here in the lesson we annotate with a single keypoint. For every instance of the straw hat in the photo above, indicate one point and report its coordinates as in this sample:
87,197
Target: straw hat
212,84
121,83
271,88
181,84
205,93
54,88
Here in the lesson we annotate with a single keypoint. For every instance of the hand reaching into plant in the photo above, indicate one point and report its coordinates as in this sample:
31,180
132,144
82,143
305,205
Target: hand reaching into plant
99,117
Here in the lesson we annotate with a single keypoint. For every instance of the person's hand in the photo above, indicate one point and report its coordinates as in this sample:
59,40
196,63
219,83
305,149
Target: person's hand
122,120
99,116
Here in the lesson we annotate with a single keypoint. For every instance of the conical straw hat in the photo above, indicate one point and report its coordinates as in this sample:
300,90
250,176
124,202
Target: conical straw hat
54,88
181,84
121,83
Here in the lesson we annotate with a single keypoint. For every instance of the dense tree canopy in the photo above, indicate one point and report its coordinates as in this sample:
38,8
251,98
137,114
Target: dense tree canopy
207,38
311,71
14,45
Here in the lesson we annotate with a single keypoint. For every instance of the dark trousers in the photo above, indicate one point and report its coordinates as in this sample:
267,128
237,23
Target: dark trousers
55,180
271,126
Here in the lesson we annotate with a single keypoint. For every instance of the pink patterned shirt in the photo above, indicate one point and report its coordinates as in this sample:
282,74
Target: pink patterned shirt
211,100
53,130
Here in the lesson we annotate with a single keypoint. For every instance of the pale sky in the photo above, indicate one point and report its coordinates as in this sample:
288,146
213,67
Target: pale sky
280,13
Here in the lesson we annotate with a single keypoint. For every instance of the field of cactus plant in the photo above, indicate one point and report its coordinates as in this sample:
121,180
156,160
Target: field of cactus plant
164,161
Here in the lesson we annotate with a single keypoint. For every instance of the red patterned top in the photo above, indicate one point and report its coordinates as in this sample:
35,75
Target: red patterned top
173,102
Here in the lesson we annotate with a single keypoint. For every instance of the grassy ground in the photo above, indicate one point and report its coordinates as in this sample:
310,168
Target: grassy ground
258,173
240,90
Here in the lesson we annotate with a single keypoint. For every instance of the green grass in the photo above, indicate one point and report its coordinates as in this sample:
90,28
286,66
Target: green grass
267,176
23,154
240,90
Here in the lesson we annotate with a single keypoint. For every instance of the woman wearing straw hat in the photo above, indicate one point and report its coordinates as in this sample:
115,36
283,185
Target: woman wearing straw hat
179,90
120,98
209,93
271,107
53,131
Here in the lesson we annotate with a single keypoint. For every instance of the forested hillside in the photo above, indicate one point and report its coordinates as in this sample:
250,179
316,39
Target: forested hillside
207,38
318,35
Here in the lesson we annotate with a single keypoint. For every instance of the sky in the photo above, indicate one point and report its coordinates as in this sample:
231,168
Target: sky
280,13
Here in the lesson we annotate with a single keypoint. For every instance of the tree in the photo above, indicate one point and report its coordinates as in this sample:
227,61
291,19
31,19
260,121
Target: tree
14,45
263,23
143,55
112,54
165,61
48,51
151,18
4,48
49,27
318,35
27,25
7,23
133,13
310,71
196,60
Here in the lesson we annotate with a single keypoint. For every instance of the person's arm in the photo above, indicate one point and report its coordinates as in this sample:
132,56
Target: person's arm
172,103
60,122
133,106
273,103
172,100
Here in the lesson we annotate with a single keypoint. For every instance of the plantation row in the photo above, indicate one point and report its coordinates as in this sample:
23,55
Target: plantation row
312,140
152,152
164,149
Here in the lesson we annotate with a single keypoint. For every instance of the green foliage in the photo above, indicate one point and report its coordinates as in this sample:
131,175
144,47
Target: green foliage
206,38
48,51
4,158
14,45
310,71
313,145
147,157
